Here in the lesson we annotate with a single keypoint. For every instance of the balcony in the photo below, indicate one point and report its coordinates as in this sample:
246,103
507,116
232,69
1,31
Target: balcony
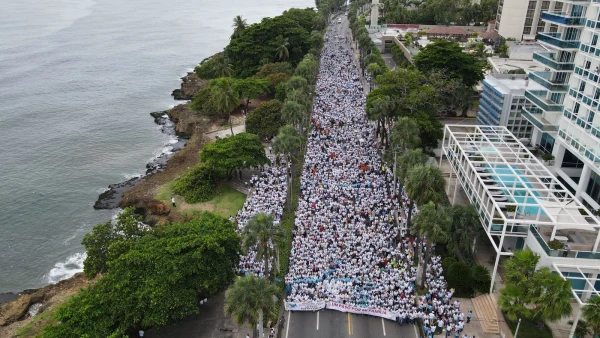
550,60
555,40
535,116
535,97
580,242
562,18
546,81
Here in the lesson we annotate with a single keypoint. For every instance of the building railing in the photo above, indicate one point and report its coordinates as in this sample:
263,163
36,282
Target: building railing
549,59
562,253
563,18
555,39
544,80
529,114
533,96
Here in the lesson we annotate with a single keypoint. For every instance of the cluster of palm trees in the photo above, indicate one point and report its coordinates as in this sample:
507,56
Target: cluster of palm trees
455,226
539,295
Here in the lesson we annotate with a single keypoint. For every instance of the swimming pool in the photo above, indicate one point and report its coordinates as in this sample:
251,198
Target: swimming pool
508,179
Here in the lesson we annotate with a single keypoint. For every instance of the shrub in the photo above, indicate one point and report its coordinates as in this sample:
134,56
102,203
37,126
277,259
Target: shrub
265,120
197,185
446,262
280,91
481,278
459,276
555,244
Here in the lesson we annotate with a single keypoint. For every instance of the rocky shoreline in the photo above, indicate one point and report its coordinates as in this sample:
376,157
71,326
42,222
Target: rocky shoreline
111,198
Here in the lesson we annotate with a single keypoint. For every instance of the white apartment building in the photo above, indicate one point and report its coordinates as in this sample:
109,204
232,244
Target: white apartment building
522,205
565,112
521,19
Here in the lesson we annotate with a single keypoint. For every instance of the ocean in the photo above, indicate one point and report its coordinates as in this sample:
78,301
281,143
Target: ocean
78,79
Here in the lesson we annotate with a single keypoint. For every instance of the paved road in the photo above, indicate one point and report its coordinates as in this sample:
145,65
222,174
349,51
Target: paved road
335,324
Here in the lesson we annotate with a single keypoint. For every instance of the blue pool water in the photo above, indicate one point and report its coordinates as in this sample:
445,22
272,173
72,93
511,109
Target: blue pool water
508,179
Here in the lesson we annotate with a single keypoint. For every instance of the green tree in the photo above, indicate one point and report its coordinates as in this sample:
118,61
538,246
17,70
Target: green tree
480,50
308,68
433,223
266,119
591,314
206,69
249,300
225,96
520,267
243,150
405,134
288,143
109,240
197,184
251,88
281,48
276,68
466,226
424,184
293,113
222,66
551,295
449,57
513,301
408,160
157,281
263,235
239,26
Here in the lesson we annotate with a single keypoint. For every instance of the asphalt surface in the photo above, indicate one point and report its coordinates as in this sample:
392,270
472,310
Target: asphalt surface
335,324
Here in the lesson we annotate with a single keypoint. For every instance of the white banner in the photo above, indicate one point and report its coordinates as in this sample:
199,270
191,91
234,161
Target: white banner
301,306
361,310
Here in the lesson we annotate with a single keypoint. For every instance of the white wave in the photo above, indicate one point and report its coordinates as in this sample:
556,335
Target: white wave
173,140
130,176
63,270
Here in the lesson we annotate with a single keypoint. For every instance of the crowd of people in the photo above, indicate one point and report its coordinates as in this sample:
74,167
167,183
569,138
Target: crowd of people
348,245
268,194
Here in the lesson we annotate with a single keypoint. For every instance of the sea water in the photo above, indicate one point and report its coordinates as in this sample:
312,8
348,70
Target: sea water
78,79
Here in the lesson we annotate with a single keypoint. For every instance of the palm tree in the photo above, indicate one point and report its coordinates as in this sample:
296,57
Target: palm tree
281,45
408,160
293,113
405,134
520,267
222,66
239,25
512,300
379,110
466,226
260,232
227,98
288,142
424,184
249,299
551,294
591,314
433,223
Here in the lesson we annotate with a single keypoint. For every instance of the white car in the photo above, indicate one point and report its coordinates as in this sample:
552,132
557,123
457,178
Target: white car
340,20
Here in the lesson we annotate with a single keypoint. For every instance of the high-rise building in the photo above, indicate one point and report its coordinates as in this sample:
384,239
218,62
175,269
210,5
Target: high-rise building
521,19
501,102
565,111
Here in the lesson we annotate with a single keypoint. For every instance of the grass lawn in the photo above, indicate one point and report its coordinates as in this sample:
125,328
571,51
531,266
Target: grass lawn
226,203
529,329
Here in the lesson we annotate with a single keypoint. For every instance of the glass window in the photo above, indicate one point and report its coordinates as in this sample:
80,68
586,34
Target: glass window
571,161
547,143
594,39
593,188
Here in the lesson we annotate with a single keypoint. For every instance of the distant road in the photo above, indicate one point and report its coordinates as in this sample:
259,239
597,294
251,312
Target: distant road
335,324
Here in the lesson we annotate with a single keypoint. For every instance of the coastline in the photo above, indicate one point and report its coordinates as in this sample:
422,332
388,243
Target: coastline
187,130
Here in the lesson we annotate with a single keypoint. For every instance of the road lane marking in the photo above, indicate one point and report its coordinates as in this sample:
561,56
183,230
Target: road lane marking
317,320
287,328
383,325
416,333
349,324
